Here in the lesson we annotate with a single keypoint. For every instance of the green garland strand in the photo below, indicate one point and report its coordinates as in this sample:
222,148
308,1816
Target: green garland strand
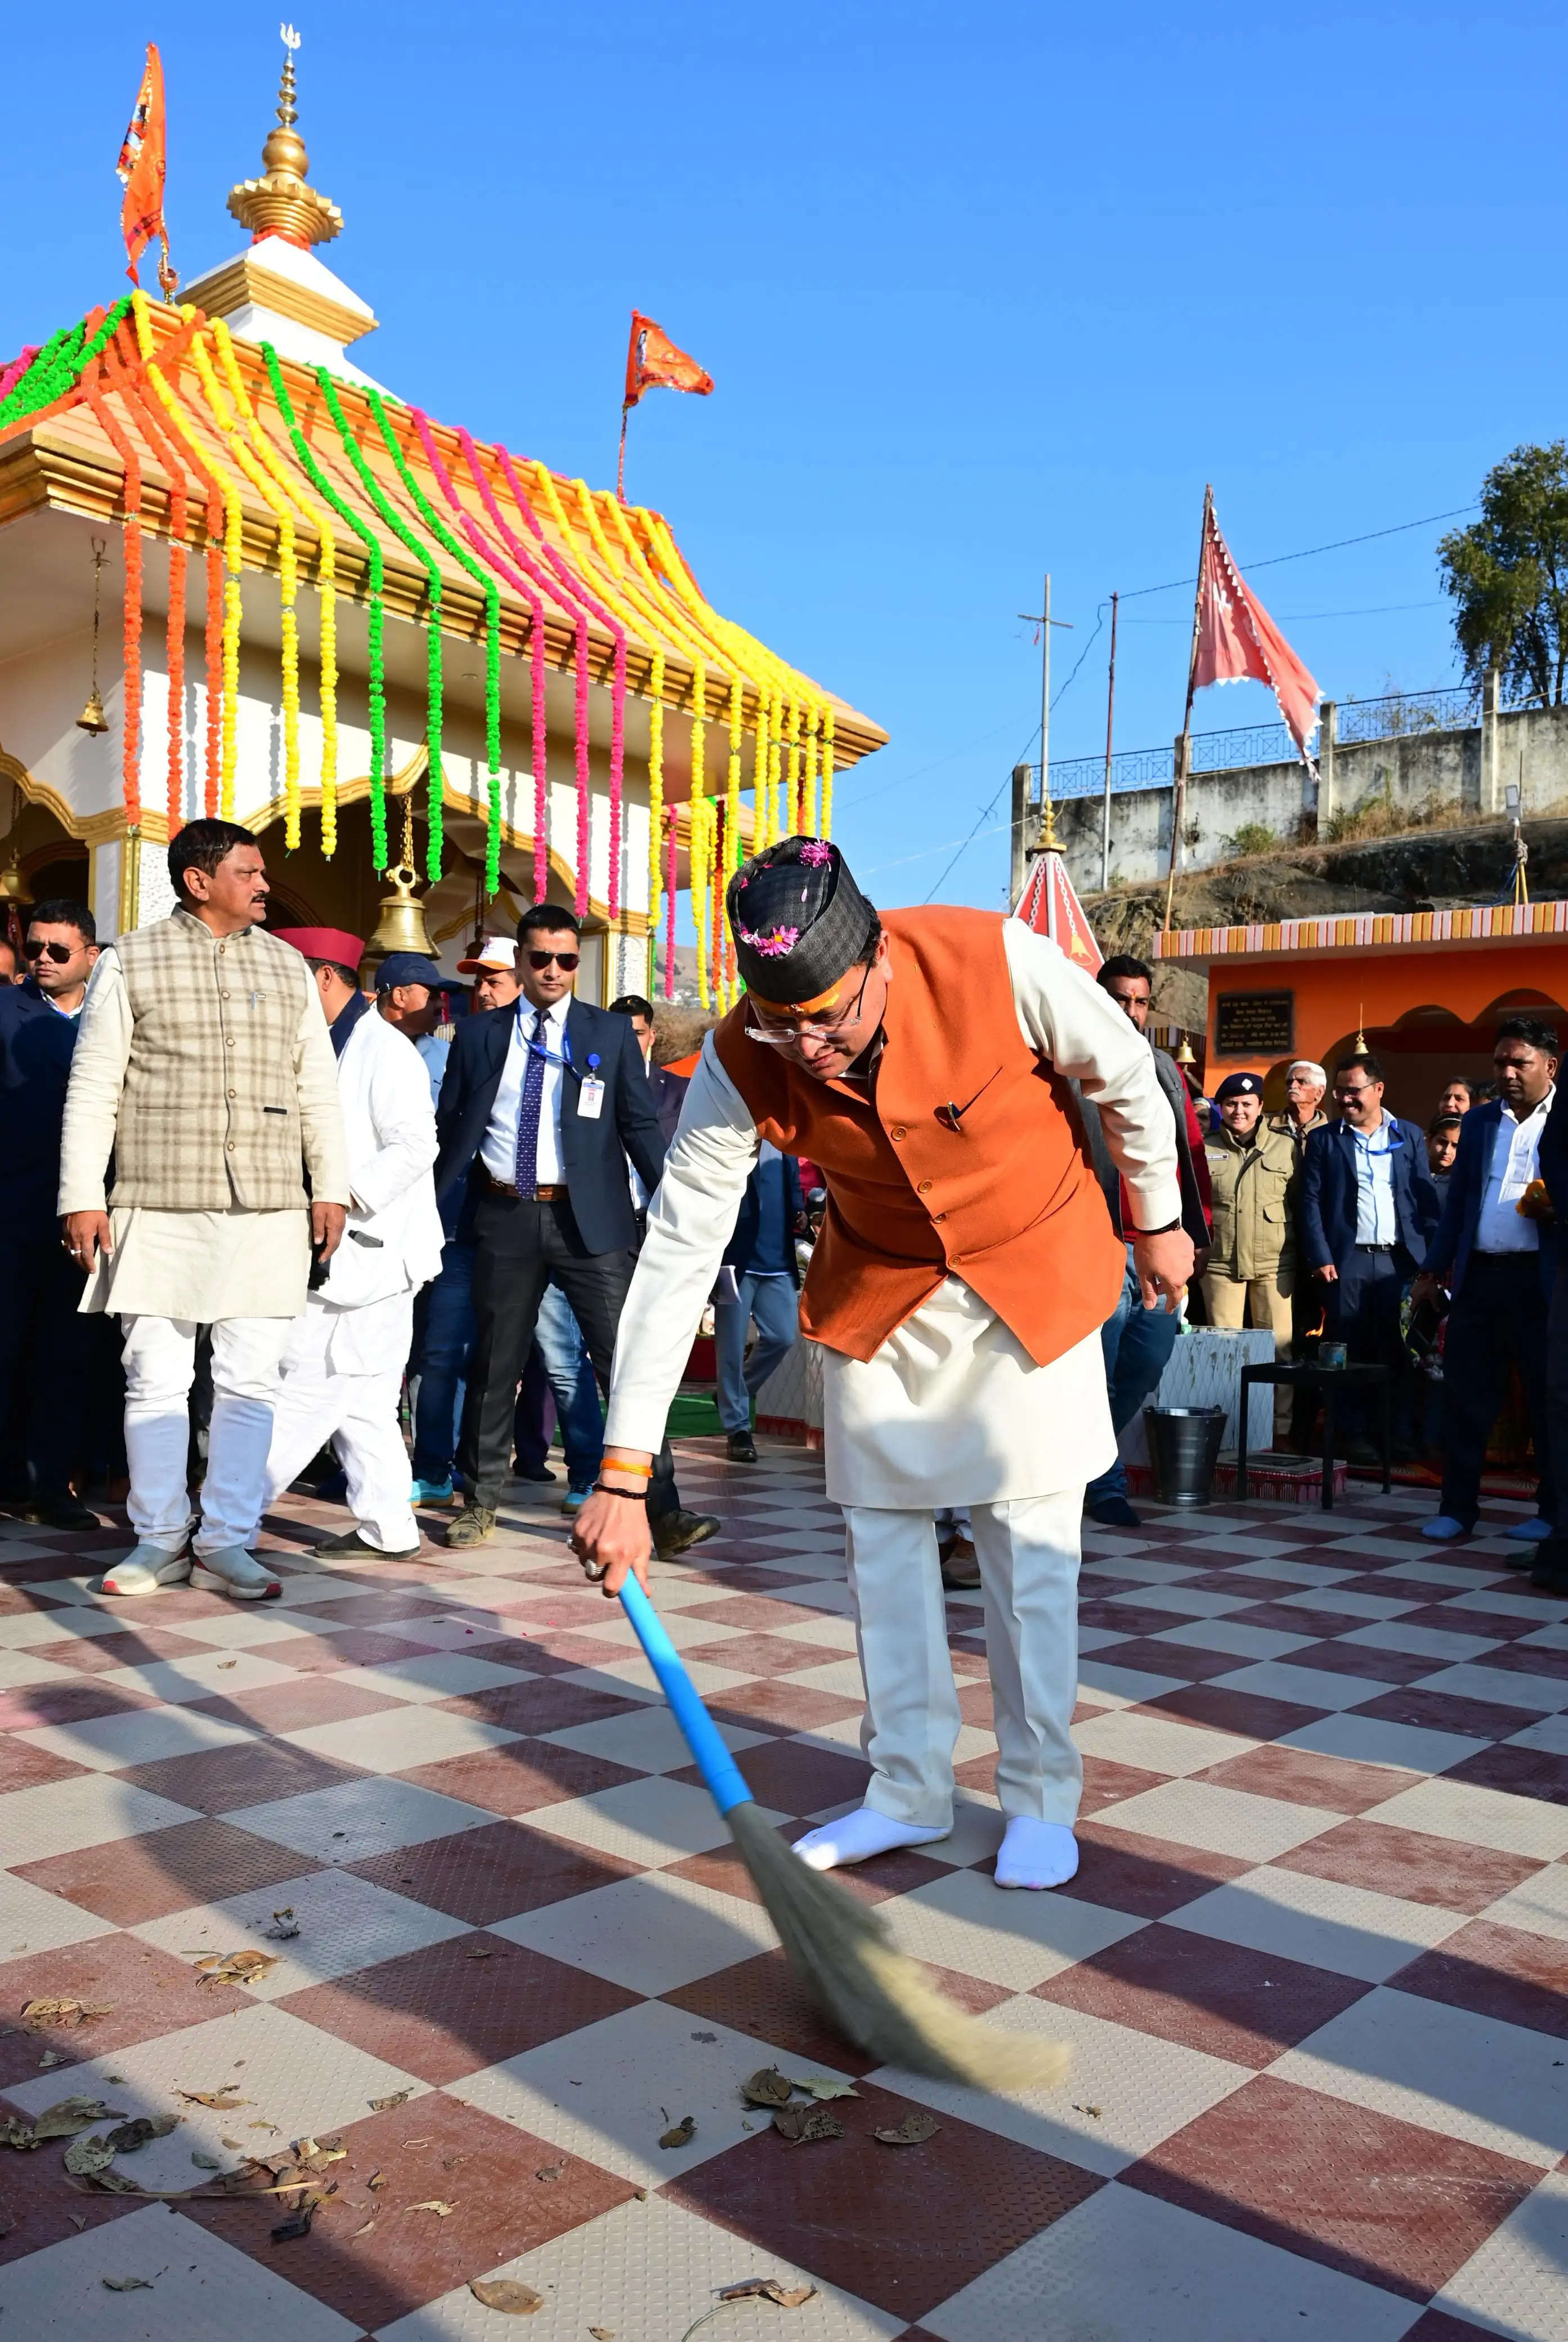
61,362
405,535
460,554
378,615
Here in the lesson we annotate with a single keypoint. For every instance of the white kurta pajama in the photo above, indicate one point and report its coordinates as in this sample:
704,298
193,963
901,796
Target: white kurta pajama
950,1410
343,1370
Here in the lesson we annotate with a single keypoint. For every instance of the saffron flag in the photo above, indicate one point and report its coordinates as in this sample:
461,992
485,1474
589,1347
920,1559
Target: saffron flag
141,167
1236,637
653,362
1049,903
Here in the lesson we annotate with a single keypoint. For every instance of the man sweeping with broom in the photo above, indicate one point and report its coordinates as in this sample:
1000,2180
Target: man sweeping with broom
958,1288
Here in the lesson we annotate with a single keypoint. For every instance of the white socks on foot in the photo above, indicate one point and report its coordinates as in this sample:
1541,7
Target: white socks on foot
856,1837
1036,1854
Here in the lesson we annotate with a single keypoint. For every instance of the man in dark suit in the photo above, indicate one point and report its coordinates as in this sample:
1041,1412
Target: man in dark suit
669,1089
542,1106
760,1280
1368,1212
1498,1265
46,1357
1551,1570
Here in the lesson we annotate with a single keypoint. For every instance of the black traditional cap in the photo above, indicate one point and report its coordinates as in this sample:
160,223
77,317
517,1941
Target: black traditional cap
408,967
1238,1086
799,921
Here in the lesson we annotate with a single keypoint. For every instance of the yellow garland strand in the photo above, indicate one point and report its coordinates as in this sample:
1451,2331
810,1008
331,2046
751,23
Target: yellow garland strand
700,870
827,772
326,582
733,857
808,794
762,795
234,551
784,812
796,795
288,578
655,792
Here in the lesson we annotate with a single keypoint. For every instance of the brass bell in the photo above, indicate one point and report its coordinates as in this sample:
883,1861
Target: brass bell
401,926
15,892
1185,1054
92,719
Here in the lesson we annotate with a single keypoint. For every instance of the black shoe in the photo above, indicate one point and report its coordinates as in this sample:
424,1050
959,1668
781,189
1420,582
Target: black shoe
676,1533
63,1512
741,1448
352,1548
1116,1513
540,1476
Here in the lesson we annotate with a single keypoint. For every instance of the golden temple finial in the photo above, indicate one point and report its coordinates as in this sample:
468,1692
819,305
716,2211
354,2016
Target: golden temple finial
283,204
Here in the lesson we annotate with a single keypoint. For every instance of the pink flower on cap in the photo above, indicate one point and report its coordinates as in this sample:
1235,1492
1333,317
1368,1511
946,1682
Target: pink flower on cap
776,946
816,851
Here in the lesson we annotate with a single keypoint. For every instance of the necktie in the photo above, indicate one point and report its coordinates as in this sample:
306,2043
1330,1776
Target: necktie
528,1112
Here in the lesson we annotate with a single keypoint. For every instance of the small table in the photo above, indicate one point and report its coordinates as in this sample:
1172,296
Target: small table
1324,1379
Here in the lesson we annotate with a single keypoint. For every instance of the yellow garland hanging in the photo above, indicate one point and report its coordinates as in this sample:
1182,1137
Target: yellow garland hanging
796,795
827,772
234,551
734,857
655,791
808,786
288,582
761,797
326,582
699,832
784,812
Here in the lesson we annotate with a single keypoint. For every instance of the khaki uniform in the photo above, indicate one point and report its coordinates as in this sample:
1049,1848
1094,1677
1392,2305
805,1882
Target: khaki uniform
1253,1257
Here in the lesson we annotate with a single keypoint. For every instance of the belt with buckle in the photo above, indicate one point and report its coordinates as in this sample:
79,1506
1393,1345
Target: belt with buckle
557,1195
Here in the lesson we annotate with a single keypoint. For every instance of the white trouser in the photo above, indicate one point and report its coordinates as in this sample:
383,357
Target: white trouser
1028,1552
160,1357
357,1412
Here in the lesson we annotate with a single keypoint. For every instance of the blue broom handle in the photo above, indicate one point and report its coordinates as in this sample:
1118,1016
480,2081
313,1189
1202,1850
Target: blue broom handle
718,1768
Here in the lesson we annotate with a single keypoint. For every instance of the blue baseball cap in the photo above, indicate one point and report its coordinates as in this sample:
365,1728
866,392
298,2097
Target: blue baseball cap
408,967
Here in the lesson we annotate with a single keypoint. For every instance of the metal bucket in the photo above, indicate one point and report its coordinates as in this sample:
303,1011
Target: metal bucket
1183,1448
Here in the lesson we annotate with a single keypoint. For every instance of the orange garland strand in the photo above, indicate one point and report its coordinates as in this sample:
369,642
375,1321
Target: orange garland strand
131,738
131,397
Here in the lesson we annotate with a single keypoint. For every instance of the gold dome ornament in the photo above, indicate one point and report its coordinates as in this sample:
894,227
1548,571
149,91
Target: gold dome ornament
92,719
283,204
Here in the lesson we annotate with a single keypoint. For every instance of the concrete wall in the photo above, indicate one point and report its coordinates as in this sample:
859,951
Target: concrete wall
1420,775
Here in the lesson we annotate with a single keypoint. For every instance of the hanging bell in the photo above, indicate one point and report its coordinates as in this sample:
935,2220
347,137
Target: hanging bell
92,719
1185,1054
15,892
401,926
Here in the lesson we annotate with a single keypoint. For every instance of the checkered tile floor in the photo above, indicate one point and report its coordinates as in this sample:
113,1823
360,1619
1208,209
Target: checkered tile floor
1312,1967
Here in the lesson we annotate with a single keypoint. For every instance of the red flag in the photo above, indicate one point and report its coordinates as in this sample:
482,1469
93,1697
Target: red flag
141,167
1236,637
653,362
1049,903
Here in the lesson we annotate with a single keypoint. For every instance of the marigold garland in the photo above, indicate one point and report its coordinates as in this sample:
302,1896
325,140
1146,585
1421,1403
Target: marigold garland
234,549
671,893
56,368
137,408
433,696
579,614
732,778
131,732
826,830
376,612
492,593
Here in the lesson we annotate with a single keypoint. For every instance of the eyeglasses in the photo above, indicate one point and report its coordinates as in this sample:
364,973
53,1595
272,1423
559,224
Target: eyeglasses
36,947
783,1037
538,961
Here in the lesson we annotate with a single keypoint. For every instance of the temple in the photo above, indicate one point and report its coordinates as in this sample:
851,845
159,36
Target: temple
240,575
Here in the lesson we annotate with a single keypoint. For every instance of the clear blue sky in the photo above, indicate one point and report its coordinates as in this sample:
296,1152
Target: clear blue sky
983,291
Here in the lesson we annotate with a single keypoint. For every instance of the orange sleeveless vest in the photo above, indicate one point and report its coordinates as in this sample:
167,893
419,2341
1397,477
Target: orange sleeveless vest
1009,1200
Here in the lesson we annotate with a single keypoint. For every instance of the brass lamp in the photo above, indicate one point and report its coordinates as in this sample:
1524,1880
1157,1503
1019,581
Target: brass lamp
92,719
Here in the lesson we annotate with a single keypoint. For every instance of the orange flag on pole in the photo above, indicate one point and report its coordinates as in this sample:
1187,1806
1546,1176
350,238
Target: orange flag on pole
653,362
1235,636
141,169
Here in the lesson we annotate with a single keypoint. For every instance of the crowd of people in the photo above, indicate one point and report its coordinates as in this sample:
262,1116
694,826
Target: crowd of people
253,1209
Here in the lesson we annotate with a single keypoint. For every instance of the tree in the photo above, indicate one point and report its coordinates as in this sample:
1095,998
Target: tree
1508,575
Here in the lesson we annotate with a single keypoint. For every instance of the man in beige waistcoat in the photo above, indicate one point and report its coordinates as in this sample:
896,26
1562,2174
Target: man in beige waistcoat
203,1066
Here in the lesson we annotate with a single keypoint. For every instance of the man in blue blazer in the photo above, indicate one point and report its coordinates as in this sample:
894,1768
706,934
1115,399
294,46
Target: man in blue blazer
1499,1267
542,1105
1368,1211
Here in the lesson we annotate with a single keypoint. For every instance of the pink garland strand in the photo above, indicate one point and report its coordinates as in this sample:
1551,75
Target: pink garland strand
670,915
18,366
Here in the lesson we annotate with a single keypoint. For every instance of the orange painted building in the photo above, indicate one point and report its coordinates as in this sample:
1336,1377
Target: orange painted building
1428,989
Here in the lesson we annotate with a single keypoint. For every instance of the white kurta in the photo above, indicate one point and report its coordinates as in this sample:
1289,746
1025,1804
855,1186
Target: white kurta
951,1409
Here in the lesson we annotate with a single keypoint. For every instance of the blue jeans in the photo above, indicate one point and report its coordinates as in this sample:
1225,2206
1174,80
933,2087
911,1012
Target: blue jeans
1137,1345
449,1330
774,1302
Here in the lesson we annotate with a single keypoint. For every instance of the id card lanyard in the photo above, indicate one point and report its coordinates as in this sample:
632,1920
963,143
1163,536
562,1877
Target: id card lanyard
566,1059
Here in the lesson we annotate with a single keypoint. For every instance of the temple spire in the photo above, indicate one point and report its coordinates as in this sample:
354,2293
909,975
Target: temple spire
282,203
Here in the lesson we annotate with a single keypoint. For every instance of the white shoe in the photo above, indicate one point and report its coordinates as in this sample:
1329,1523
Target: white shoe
236,1573
148,1570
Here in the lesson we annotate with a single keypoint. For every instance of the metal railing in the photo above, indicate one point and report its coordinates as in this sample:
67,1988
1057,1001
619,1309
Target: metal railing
1397,714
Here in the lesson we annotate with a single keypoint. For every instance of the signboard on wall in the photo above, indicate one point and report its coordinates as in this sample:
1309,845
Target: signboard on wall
1255,1023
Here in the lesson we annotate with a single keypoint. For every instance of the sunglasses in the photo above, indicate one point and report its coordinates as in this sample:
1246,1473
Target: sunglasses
36,947
539,961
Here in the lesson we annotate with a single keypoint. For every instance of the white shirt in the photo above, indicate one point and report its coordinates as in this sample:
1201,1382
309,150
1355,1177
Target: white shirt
499,1152
1515,1150
1376,1221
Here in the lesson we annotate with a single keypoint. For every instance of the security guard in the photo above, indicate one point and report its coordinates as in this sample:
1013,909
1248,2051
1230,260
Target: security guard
1252,1171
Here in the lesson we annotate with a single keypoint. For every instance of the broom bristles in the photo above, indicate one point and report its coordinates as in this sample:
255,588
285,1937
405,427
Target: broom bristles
877,1996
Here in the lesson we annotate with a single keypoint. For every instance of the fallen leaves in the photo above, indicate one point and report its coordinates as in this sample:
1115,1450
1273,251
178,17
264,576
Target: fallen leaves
767,2087
132,2135
297,2225
913,2131
60,2121
86,2156
506,2294
602,2333
37,2014
223,2101
235,1968
768,2288
1094,2111
802,2124
549,2171
126,2284
283,1926
821,2086
679,2134
384,2106
432,2204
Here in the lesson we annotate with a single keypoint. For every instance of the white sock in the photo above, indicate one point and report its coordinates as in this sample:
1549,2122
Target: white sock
856,1837
1036,1854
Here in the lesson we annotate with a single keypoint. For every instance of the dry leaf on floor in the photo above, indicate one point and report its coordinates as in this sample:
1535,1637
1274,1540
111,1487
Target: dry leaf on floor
507,2294
283,1926
802,2124
236,1968
432,2204
767,2088
602,2333
819,2086
130,2136
680,2133
78,2220
127,2283
384,2106
376,2179
86,2155
913,2131
35,2014
69,2115
768,2288
1095,2111
113,2182
549,2171
205,2162
480,1952
226,1663
297,2225
704,2036
53,2058
223,2101
366,2231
